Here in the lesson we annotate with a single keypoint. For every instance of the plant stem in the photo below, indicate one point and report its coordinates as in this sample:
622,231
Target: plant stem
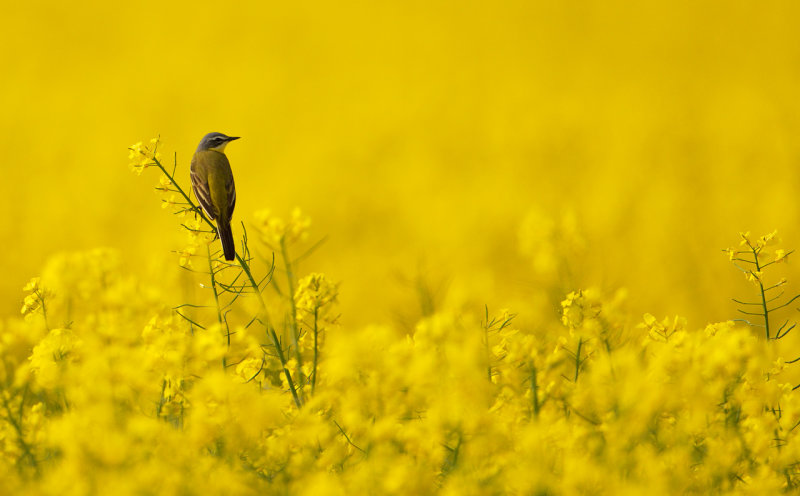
535,391
294,330
270,330
216,301
246,268
316,352
26,449
578,359
763,293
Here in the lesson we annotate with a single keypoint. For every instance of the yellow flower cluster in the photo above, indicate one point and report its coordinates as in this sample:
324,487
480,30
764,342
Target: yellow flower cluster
754,260
143,156
753,251
275,231
35,299
124,396
315,292
198,238
104,389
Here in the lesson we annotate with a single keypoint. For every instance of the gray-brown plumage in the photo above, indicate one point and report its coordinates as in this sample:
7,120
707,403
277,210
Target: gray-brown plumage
212,183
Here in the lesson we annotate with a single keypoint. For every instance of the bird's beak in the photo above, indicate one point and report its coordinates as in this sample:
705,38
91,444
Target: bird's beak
231,138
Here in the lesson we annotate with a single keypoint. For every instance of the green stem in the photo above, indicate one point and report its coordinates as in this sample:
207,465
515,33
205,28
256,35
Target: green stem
216,301
763,293
295,331
214,289
44,309
578,359
488,349
185,196
270,330
316,352
246,268
162,399
286,372
26,449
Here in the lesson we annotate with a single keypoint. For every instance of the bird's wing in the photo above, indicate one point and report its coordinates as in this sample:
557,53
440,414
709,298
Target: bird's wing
200,188
231,197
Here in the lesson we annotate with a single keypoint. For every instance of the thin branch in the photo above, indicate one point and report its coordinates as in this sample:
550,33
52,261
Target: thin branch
311,250
785,304
745,321
749,313
778,335
347,437
775,297
746,302
190,320
776,261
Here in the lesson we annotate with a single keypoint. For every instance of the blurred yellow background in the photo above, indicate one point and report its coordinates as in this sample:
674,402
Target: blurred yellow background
444,145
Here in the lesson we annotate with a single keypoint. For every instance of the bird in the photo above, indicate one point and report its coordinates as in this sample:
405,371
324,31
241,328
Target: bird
212,183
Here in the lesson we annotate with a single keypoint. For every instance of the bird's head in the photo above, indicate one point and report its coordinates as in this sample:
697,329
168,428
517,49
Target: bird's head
215,141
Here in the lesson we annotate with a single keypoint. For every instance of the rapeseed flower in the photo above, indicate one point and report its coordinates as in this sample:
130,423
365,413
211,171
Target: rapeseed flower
143,156
253,385
275,231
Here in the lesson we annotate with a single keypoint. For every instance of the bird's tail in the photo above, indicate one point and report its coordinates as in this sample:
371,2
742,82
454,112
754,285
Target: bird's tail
226,236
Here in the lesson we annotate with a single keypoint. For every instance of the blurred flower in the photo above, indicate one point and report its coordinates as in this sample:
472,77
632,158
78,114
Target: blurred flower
274,230
745,238
48,355
143,156
548,242
768,239
197,238
314,292
579,306
35,300
663,330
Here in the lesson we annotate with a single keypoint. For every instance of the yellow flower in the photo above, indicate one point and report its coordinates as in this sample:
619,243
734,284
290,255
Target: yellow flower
745,238
579,306
664,330
274,230
197,238
135,156
33,301
249,368
767,239
32,285
49,353
314,292
143,156
164,184
754,276
185,256
166,202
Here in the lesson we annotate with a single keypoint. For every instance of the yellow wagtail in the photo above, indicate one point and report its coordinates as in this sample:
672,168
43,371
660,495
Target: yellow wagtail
212,183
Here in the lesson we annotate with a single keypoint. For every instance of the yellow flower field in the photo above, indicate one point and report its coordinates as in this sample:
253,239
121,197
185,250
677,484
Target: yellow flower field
482,248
